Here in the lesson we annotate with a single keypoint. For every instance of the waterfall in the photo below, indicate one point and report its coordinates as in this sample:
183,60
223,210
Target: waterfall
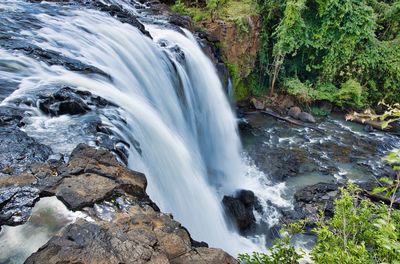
171,100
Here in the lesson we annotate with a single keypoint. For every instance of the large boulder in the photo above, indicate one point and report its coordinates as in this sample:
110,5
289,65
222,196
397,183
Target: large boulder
306,117
294,112
240,209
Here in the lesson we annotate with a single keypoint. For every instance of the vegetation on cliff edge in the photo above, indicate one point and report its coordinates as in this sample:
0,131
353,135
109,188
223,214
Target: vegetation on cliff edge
343,51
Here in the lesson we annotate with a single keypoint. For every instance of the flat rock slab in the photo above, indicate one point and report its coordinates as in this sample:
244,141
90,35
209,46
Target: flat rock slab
78,191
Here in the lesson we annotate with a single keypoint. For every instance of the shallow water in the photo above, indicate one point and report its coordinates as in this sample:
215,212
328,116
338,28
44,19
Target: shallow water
343,152
48,217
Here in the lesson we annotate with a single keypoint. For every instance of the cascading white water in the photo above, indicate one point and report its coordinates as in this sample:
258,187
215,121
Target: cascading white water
173,105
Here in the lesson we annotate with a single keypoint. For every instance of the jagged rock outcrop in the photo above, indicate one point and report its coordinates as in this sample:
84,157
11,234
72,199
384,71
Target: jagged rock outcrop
240,208
132,231
16,147
238,47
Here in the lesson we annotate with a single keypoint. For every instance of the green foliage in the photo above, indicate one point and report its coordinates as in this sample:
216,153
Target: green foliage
302,91
333,41
318,111
350,93
197,14
242,25
239,91
360,232
391,115
281,252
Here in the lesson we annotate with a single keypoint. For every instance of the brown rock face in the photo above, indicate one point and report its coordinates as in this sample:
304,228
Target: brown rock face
139,235
238,47
123,224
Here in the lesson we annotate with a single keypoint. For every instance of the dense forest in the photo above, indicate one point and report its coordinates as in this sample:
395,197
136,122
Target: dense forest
343,51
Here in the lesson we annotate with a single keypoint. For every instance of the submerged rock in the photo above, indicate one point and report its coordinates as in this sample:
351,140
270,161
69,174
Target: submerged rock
311,200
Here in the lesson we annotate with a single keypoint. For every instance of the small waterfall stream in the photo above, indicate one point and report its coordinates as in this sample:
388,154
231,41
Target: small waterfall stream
172,108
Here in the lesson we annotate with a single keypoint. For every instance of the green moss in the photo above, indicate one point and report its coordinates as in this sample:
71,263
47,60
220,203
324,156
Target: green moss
235,9
239,88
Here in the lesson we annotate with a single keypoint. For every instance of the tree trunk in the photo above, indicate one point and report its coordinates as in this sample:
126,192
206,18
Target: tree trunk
278,61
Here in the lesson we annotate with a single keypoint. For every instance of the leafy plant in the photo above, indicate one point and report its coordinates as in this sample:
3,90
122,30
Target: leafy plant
350,93
281,252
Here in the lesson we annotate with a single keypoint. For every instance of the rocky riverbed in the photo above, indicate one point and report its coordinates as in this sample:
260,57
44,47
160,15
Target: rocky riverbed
311,164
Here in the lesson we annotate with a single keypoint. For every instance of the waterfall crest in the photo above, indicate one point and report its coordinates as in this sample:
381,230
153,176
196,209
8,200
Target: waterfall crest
172,104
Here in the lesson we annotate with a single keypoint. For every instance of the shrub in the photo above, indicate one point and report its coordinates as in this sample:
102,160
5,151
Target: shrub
281,252
301,91
350,93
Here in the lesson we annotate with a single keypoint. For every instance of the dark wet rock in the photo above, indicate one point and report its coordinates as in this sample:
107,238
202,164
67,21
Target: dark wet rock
244,125
61,108
368,129
122,15
294,112
279,163
10,116
67,100
309,201
54,58
181,21
16,204
64,101
306,117
240,209
18,150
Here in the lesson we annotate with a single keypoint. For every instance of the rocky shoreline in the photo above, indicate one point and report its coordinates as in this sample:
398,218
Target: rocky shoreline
134,232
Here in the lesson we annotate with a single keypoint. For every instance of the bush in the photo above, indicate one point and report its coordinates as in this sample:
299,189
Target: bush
360,232
301,91
350,93
281,252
